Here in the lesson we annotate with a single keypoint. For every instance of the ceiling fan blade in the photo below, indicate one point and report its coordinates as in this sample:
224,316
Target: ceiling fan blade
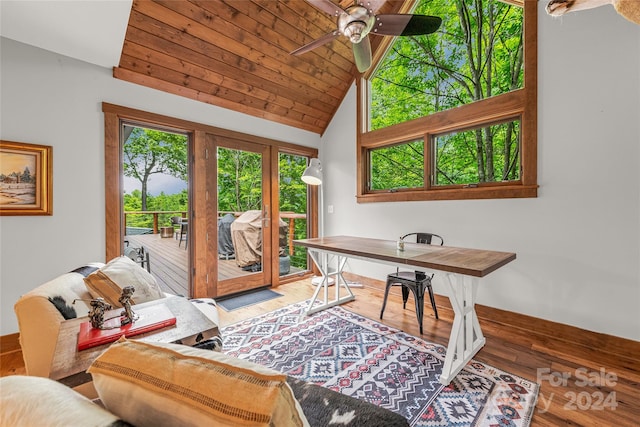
405,24
327,7
362,54
374,5
316,43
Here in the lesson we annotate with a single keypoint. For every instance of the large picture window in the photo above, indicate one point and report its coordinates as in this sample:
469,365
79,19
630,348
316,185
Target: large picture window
452,115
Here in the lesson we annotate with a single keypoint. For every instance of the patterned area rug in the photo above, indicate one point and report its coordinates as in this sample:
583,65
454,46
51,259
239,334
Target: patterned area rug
365,359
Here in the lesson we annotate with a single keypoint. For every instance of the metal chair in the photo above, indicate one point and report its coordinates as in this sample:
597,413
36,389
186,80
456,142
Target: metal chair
184,225
139,255
416,281
175,223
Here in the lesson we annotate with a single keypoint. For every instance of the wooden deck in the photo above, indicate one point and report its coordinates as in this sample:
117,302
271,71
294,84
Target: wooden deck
169,262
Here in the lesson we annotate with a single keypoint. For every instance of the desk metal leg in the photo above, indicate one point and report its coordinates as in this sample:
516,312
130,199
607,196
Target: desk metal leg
466,336
321,260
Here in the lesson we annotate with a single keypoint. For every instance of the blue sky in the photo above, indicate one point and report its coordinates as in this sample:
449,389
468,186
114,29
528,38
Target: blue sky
156,184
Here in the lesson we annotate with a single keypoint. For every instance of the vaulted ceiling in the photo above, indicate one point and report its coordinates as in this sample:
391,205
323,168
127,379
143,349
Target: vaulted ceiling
236,54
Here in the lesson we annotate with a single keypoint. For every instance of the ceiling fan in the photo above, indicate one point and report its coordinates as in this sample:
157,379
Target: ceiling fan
359,20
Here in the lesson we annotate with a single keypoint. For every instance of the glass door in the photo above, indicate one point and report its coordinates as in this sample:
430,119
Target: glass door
244,244
155,203
293,207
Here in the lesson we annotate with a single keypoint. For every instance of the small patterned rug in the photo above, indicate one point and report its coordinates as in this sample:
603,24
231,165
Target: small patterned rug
368,360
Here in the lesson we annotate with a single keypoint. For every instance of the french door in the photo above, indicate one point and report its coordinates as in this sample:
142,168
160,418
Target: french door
244,213
278,195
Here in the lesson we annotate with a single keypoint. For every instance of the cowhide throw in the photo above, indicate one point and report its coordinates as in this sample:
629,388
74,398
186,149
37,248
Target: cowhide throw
85,270
324,407
213,344
67,311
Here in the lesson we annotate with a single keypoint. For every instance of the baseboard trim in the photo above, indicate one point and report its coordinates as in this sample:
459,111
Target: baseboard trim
10,343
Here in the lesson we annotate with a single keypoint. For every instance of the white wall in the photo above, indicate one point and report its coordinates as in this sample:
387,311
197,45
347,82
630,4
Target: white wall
54,100
578,243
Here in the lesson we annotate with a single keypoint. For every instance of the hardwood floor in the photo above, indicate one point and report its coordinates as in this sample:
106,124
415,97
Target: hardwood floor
582,374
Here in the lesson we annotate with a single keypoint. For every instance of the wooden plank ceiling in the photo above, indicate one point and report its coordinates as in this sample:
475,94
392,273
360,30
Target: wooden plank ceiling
235,54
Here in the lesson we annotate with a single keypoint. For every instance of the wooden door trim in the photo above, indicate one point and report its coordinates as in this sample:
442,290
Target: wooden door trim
203,254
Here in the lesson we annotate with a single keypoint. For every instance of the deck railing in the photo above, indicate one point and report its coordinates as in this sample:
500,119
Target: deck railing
156,214
290,216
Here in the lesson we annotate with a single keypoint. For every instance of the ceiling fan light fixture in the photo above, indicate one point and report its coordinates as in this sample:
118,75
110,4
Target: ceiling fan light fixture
356,22
354,31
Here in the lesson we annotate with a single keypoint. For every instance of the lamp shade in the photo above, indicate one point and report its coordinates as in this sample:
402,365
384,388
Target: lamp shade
313,173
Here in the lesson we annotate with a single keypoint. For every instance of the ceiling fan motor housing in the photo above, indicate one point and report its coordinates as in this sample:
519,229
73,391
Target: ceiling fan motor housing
356,22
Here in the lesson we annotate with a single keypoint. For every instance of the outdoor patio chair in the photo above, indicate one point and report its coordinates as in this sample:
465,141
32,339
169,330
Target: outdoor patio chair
175,223
182,235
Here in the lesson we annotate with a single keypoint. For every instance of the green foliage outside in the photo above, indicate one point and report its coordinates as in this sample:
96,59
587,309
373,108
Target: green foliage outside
388,161
293,198
456,169
147,152
476,54
173,204
239,180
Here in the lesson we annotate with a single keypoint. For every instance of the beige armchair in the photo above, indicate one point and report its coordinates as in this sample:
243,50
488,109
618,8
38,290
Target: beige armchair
40,313
39,319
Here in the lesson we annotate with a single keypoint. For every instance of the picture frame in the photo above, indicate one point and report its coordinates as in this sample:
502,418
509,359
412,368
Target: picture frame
26,179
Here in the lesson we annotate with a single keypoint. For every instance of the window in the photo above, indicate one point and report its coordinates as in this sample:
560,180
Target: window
397,167
452,115
482,155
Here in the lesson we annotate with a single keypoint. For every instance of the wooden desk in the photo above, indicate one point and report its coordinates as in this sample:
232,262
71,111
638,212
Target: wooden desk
69,365
463,266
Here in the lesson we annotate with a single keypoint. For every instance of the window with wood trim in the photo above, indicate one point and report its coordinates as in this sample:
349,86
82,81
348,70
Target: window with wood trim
452,115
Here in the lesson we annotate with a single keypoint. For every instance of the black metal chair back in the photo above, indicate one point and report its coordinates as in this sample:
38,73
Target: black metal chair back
416,281
426,238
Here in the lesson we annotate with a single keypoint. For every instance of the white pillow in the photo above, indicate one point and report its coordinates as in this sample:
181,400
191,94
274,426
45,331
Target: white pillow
175,385
108,281
37,401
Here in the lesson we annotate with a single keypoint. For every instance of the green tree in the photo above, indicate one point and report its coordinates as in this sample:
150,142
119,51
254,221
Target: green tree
239,180
476,54
293,198
293,191
148,152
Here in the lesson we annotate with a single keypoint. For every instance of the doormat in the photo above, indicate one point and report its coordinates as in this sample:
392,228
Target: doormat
368,360
247,299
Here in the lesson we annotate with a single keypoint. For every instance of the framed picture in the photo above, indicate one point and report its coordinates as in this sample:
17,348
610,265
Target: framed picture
26,179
